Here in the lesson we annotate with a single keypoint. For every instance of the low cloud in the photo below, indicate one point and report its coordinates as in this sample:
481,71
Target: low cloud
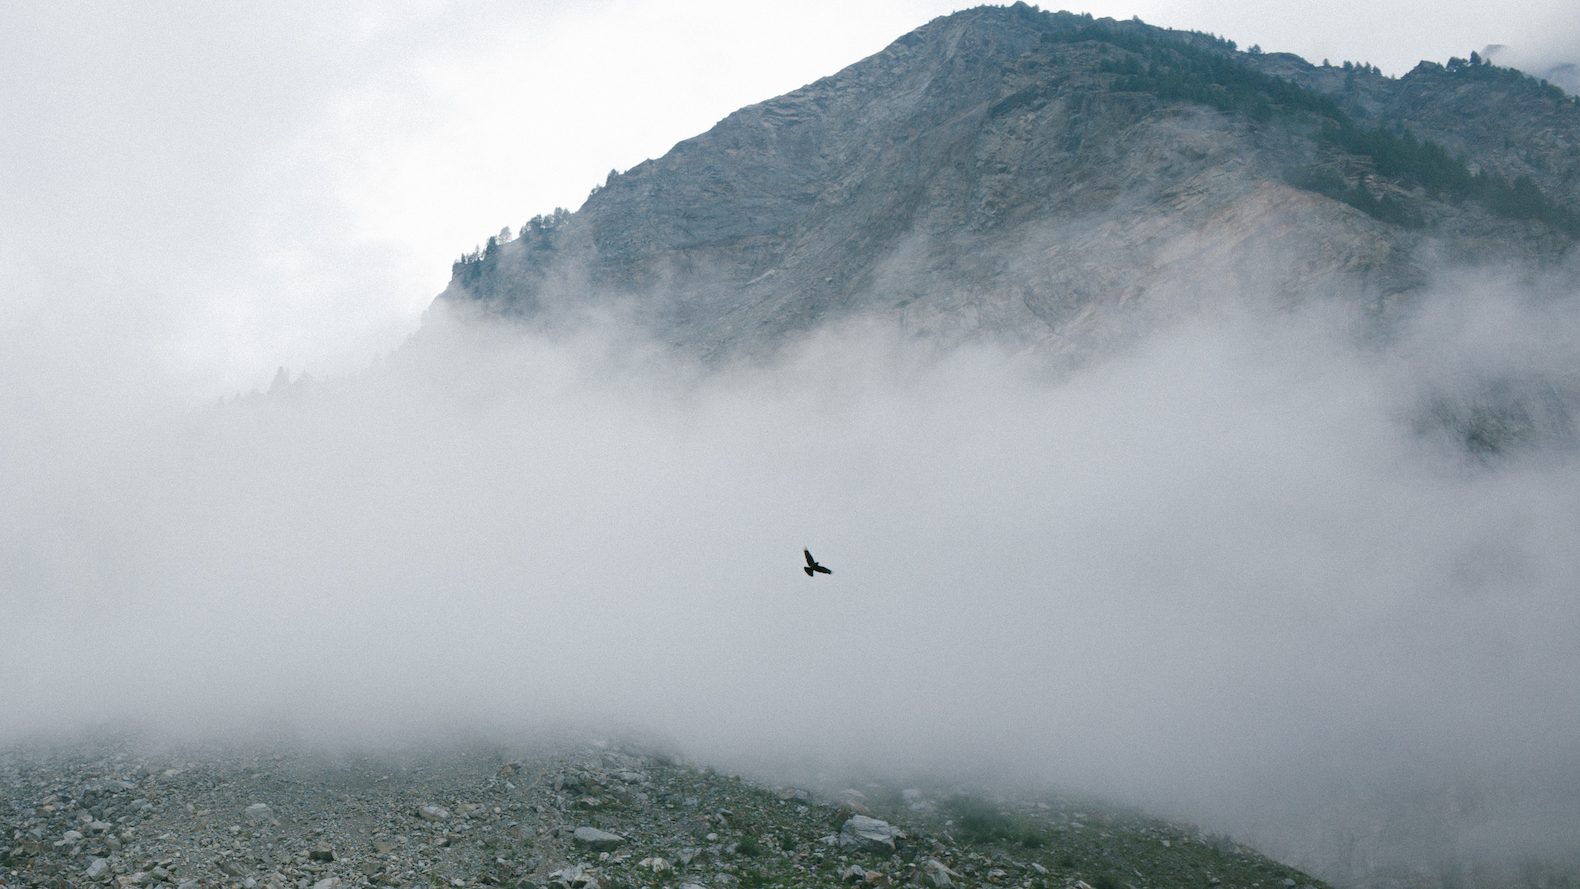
1243,573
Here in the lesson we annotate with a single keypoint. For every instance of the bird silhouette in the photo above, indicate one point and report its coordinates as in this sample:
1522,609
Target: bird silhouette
812,565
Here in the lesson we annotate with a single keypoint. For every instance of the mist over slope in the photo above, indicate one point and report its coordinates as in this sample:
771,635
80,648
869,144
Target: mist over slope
1224,574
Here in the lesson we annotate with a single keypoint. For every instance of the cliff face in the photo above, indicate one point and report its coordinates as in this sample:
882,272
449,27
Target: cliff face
989,175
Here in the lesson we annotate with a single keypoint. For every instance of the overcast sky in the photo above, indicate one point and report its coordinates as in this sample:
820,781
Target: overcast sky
201,192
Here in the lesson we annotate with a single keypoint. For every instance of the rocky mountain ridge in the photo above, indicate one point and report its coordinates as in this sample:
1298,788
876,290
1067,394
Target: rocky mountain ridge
1003,172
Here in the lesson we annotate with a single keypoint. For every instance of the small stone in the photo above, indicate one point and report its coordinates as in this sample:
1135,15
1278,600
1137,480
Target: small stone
382,846
1288,882
71,836
229,868
597,840
327,883
942,877
97,868
321,852
432,813
258,812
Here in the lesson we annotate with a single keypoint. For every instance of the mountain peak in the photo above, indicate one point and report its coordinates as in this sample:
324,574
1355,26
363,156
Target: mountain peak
1054,180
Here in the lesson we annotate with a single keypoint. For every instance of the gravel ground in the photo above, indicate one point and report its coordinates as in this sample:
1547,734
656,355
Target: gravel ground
554,817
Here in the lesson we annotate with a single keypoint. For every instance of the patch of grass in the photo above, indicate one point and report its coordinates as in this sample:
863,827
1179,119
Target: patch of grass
978,820
749,846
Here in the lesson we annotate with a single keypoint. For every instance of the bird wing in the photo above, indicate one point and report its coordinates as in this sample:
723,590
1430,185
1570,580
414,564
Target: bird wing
820,568
811,562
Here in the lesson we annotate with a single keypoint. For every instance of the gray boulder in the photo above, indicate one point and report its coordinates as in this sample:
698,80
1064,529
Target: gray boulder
939,874
258,812
597,840
868,834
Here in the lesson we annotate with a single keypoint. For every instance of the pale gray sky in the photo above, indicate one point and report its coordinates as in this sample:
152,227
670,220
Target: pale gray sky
206,192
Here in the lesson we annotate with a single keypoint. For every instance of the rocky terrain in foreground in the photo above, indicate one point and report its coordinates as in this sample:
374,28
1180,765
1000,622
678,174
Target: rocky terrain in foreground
583,817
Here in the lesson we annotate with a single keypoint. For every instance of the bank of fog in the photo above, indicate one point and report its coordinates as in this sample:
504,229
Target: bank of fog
1248,572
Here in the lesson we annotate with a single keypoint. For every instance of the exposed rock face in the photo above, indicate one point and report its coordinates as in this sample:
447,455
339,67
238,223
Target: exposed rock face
976,180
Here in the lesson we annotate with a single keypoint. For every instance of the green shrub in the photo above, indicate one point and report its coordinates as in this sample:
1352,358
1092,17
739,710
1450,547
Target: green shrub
979,820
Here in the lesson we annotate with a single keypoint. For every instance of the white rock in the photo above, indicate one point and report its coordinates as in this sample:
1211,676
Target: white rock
939,874
327,883
869,834
97,868
258,812
432,813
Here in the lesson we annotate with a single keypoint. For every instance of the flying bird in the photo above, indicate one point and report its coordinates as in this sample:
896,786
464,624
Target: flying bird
812,565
